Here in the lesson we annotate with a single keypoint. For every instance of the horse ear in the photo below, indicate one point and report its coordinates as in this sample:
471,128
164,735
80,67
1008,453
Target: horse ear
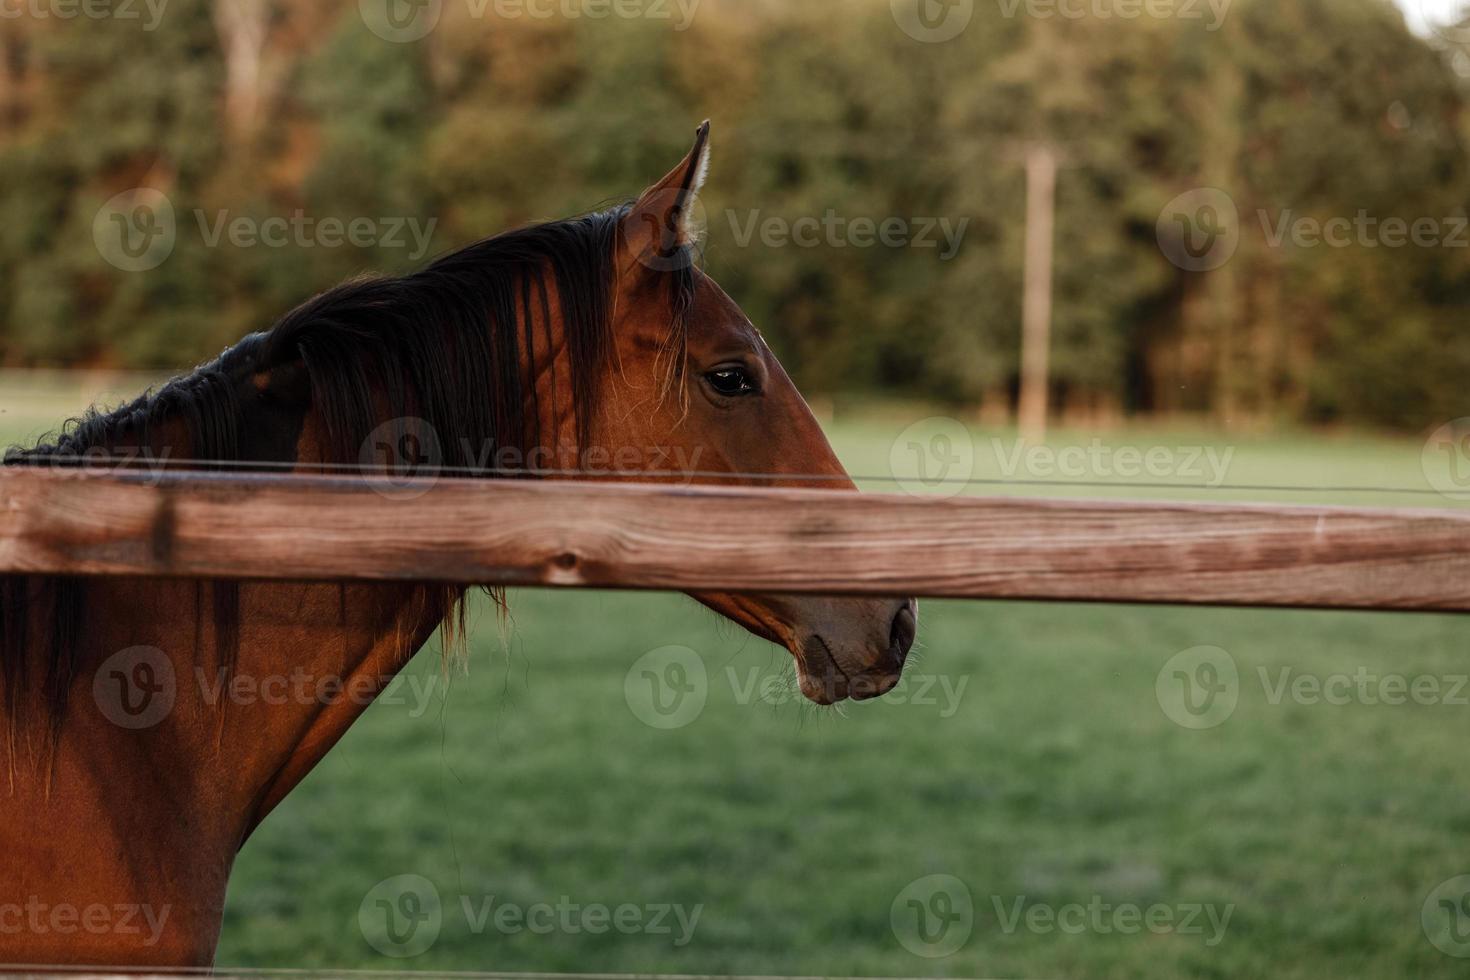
666,224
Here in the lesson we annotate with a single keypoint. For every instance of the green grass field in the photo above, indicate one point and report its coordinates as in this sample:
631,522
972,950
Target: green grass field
1032,757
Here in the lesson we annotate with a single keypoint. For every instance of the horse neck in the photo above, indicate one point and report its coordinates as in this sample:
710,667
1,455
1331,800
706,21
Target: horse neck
161,771
251,636
160,777
157,779
372,630
308,659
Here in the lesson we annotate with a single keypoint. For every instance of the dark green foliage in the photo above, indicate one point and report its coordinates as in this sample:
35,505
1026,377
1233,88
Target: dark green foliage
1319,109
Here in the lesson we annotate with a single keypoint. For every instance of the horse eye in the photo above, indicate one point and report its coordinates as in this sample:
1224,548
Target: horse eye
730,381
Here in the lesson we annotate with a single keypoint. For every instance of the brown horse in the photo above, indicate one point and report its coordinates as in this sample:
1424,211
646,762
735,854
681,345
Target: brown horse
132,779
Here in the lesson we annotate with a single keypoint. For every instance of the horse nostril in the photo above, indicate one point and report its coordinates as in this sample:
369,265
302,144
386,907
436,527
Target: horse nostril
901,634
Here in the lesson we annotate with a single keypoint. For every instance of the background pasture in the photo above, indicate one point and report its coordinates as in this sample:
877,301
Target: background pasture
1030,757
1030,754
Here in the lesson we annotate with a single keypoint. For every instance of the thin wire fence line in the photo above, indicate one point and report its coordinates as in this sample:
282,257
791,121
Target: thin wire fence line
29,970
431,472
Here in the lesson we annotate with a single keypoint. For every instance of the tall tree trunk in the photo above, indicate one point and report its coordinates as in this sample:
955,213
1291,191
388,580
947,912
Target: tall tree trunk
1041,186
1222,147
242,27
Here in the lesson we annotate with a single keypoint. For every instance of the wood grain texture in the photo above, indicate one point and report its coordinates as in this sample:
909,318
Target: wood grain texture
731,539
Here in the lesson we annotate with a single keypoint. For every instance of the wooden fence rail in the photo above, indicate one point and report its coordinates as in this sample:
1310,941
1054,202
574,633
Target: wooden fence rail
547,533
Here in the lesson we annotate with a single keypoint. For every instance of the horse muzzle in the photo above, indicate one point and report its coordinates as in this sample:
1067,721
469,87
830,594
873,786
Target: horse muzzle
833,666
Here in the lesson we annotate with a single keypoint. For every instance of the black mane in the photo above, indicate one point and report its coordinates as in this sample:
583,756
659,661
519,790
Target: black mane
445,344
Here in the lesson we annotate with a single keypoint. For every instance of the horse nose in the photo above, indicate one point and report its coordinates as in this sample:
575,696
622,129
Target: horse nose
901,634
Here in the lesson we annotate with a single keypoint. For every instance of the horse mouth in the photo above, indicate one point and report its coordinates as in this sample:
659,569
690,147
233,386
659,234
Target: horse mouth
823,681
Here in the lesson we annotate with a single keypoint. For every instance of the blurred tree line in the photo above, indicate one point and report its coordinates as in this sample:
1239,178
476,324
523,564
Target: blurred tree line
1298,109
